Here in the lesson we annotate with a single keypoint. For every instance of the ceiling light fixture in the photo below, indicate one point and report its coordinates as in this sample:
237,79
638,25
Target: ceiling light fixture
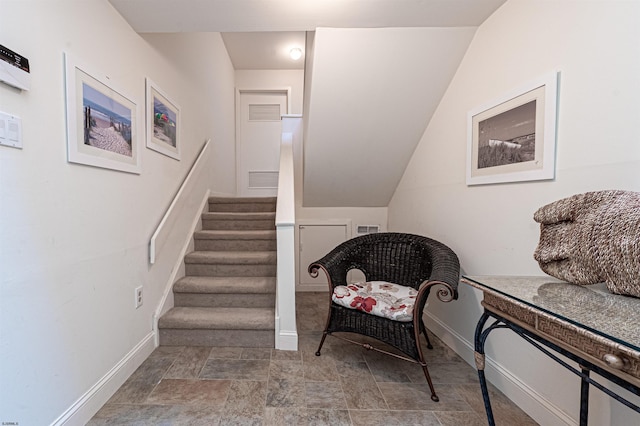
295,53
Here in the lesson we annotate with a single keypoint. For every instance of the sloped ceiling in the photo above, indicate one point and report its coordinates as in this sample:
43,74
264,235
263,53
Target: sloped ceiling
379,69
373,92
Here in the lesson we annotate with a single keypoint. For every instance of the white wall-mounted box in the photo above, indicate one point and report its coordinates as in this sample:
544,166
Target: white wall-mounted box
14,69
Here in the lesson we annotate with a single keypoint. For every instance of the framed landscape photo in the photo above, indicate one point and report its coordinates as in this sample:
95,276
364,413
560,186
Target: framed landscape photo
163,122
102,122
513,138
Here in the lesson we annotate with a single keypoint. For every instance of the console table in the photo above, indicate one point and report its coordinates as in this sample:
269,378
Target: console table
598,330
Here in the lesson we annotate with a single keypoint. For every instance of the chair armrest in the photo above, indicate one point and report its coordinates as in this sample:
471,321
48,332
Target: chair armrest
335,264
445,270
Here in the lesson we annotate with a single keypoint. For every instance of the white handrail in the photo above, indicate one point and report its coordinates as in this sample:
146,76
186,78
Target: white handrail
155,243
285,207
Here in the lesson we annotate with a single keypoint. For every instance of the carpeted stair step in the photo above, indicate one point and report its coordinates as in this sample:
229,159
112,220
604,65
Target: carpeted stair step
231,240
239,221
231,263
198,326
246,204
227,297
238,292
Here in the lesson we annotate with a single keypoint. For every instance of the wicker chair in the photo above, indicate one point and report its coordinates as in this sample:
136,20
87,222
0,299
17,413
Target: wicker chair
405,259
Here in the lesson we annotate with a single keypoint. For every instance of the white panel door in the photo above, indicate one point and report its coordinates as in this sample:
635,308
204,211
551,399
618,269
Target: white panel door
259,135
315,242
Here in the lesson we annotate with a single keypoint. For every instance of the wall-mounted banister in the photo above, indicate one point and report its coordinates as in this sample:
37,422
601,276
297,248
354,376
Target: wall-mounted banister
159,236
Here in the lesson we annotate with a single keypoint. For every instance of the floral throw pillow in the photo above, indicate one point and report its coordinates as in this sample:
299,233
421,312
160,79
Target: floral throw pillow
381,298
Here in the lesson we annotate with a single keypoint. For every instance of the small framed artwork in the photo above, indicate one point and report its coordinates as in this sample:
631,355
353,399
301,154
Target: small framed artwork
163,122
513,138
102,121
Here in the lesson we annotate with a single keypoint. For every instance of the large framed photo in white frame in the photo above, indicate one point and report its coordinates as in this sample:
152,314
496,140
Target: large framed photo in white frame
102,122
163,122
513,138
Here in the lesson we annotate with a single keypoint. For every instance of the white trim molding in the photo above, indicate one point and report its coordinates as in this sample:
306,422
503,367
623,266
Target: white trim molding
88,404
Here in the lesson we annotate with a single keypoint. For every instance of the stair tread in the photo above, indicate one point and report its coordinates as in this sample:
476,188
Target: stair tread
237,200
218,318
239,215
232,257
226,285
259,234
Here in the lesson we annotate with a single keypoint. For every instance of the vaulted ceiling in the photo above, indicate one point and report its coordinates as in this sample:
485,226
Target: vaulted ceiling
379,70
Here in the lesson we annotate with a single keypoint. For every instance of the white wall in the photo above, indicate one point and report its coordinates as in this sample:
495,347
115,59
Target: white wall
377,87
74,238
264,79
594,44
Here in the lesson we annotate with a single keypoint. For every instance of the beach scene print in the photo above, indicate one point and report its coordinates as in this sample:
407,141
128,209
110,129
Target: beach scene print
508,138
164,123
107,123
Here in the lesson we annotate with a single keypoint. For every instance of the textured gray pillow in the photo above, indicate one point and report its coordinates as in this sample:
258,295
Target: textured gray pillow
592,237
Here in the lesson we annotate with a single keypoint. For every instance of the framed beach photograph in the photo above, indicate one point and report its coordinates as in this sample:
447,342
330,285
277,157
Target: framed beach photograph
102,122
163,122
513,138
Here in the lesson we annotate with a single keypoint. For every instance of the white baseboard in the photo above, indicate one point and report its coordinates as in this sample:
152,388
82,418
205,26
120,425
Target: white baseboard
531,402
287,341
88,404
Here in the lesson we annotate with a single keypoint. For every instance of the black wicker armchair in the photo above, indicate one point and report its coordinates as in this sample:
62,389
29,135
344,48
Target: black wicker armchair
405,259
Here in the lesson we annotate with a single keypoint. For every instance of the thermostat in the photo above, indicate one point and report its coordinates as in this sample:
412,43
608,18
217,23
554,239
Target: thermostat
14,69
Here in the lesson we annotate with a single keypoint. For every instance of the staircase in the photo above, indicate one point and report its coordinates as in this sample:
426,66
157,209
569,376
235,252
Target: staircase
227,297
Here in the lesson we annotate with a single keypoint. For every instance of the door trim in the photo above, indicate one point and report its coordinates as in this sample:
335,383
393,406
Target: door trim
285,90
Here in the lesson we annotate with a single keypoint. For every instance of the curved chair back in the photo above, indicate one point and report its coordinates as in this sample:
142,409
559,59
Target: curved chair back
399,258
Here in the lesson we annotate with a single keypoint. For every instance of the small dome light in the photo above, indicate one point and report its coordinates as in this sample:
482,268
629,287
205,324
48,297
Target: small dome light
296,53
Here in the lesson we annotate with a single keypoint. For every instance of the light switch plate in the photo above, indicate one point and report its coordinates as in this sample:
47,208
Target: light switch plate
10,130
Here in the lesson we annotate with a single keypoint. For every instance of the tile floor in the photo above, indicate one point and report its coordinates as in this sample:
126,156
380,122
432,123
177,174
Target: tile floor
346,385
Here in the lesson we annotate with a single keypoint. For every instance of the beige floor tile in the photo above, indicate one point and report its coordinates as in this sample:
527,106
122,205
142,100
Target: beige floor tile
505,412
393,418
362,394
318,368
457,418
212,393
346,385
256,353
305,417
413,396
142,381
246,398
285,393
324,395
225,352
238,369
290,370
188,363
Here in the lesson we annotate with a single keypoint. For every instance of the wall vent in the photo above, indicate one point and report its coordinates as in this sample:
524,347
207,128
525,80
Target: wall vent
263,179
264,112
367,229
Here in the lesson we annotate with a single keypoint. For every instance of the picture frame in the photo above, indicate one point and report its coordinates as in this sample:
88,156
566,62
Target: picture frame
162,122
102,122
513,138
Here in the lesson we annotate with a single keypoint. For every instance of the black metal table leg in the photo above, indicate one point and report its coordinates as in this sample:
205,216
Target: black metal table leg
479,340
584,397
